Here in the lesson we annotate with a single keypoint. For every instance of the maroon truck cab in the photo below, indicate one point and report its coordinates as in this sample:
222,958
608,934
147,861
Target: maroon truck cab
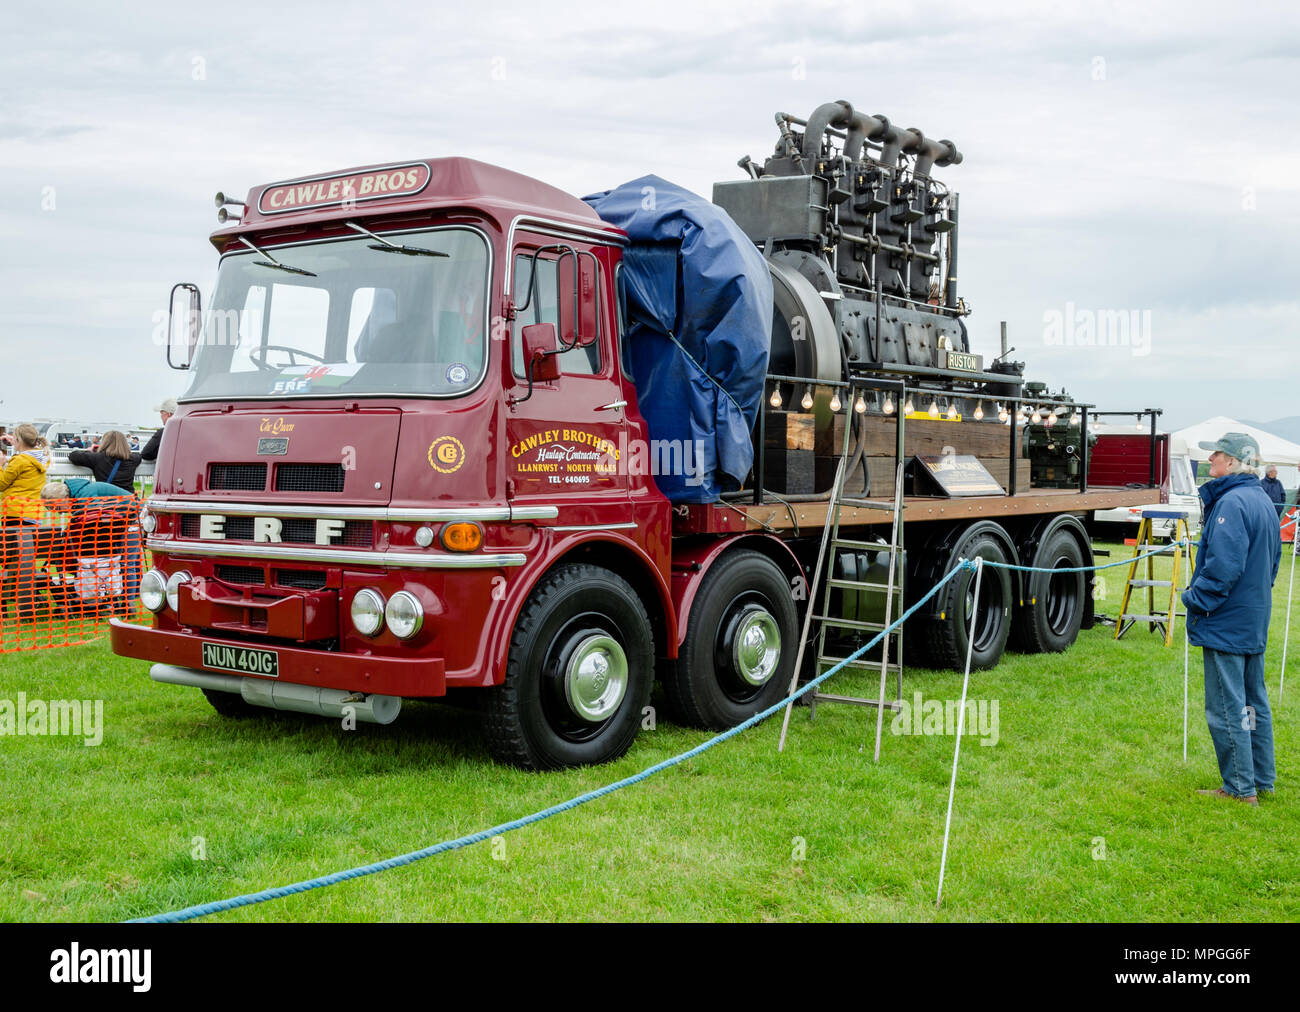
368,494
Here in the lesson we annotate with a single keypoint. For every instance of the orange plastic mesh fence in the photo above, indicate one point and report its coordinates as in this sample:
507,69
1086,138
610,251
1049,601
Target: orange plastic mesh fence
66,567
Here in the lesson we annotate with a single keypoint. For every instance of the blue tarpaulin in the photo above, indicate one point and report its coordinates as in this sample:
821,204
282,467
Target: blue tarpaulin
699,313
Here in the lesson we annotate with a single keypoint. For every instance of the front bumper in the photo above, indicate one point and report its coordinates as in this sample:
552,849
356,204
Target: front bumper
389,676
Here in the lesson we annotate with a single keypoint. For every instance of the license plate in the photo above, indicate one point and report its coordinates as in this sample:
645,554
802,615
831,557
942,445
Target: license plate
244,660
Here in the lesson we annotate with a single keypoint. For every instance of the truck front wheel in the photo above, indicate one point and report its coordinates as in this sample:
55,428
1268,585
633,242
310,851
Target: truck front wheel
740,644
578,676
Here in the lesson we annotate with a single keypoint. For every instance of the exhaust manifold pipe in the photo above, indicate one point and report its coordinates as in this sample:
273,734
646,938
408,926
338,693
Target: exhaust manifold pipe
860,128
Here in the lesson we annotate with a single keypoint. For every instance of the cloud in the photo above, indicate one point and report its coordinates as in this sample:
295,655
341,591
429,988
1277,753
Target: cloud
1116,157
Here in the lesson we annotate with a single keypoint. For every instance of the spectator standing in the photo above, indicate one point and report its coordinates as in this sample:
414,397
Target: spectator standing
165,411
113,462
1228,603
1273,489
20,512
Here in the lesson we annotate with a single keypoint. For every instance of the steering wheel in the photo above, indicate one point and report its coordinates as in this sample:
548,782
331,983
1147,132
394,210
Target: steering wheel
293,353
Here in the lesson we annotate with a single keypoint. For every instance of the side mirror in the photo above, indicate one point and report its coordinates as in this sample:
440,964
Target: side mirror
188,326
540,352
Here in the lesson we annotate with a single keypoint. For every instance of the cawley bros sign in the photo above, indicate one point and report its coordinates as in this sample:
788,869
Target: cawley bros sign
322,191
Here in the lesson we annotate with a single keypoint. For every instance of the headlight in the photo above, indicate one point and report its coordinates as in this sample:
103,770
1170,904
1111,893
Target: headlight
404,615
368,612
174,589
153,590
148,522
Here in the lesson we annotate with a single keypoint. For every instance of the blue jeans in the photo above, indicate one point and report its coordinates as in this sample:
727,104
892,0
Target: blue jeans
1241,723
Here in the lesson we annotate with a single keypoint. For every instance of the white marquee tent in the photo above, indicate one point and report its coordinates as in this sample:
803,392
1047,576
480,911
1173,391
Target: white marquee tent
1273,449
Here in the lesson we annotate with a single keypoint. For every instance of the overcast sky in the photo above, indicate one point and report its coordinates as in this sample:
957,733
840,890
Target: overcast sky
1118,157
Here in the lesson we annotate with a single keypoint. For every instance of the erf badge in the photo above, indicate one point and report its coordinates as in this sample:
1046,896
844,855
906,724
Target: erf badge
446,454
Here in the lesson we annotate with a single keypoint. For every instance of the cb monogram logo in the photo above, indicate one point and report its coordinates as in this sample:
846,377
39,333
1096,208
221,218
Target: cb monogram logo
446,454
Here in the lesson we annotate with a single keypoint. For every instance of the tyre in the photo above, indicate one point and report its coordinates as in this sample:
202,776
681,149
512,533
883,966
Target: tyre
232,704
947,645
1052,614
578,675
740,644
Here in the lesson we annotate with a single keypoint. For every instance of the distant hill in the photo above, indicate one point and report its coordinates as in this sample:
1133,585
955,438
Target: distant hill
1287,428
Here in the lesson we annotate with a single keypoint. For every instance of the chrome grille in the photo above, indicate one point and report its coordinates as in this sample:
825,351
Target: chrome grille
293,530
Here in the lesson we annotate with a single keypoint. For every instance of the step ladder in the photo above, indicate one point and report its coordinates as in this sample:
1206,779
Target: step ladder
832,547
1161,620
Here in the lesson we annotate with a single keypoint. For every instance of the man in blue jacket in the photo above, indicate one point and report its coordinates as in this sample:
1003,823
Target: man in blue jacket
1228,606
1273,489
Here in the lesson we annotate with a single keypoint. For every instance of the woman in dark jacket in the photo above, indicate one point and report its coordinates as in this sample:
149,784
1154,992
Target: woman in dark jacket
113,462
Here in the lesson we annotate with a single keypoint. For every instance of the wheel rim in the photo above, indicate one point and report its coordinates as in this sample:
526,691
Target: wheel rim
988,616
595,679
585,679
756,649
1062,597
747,651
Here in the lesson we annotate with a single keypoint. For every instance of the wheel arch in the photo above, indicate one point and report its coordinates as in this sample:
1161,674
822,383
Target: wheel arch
691,564
619,555
1031,535
931,563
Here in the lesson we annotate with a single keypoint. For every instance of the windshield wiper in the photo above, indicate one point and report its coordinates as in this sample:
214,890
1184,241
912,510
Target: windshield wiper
384,246
271,261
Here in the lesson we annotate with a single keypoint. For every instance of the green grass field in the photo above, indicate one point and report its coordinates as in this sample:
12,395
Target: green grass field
1082,811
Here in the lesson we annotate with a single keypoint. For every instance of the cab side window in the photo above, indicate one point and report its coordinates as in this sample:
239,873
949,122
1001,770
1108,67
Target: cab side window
549,287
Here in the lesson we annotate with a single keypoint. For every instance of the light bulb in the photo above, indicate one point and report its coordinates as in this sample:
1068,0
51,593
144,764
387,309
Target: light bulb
861,406
909,407
979,411
1037,416
807,401
934,408
835,401
1051,418
1076,417
888,406
775,399
952,410
1003,414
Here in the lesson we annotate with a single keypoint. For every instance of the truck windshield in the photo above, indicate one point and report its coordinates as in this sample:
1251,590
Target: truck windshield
365,321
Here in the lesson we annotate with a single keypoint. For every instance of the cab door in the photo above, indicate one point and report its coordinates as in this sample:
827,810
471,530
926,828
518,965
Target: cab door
567,437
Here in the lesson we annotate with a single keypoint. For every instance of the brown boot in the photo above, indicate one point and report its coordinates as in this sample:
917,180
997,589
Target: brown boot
1219,792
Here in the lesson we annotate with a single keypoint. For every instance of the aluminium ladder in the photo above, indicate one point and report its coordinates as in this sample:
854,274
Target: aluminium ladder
854,583
1161,620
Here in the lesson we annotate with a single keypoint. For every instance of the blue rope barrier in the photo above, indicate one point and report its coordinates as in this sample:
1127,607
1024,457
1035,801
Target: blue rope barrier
248,899
1089,569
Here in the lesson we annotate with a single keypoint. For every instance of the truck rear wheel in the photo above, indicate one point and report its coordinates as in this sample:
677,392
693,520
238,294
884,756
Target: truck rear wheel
578,676
953,605
1050,618
740,644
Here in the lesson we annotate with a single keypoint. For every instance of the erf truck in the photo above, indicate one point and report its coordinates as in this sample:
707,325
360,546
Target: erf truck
413,460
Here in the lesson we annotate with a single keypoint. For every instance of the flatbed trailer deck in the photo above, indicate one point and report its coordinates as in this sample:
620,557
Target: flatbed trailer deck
730,518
